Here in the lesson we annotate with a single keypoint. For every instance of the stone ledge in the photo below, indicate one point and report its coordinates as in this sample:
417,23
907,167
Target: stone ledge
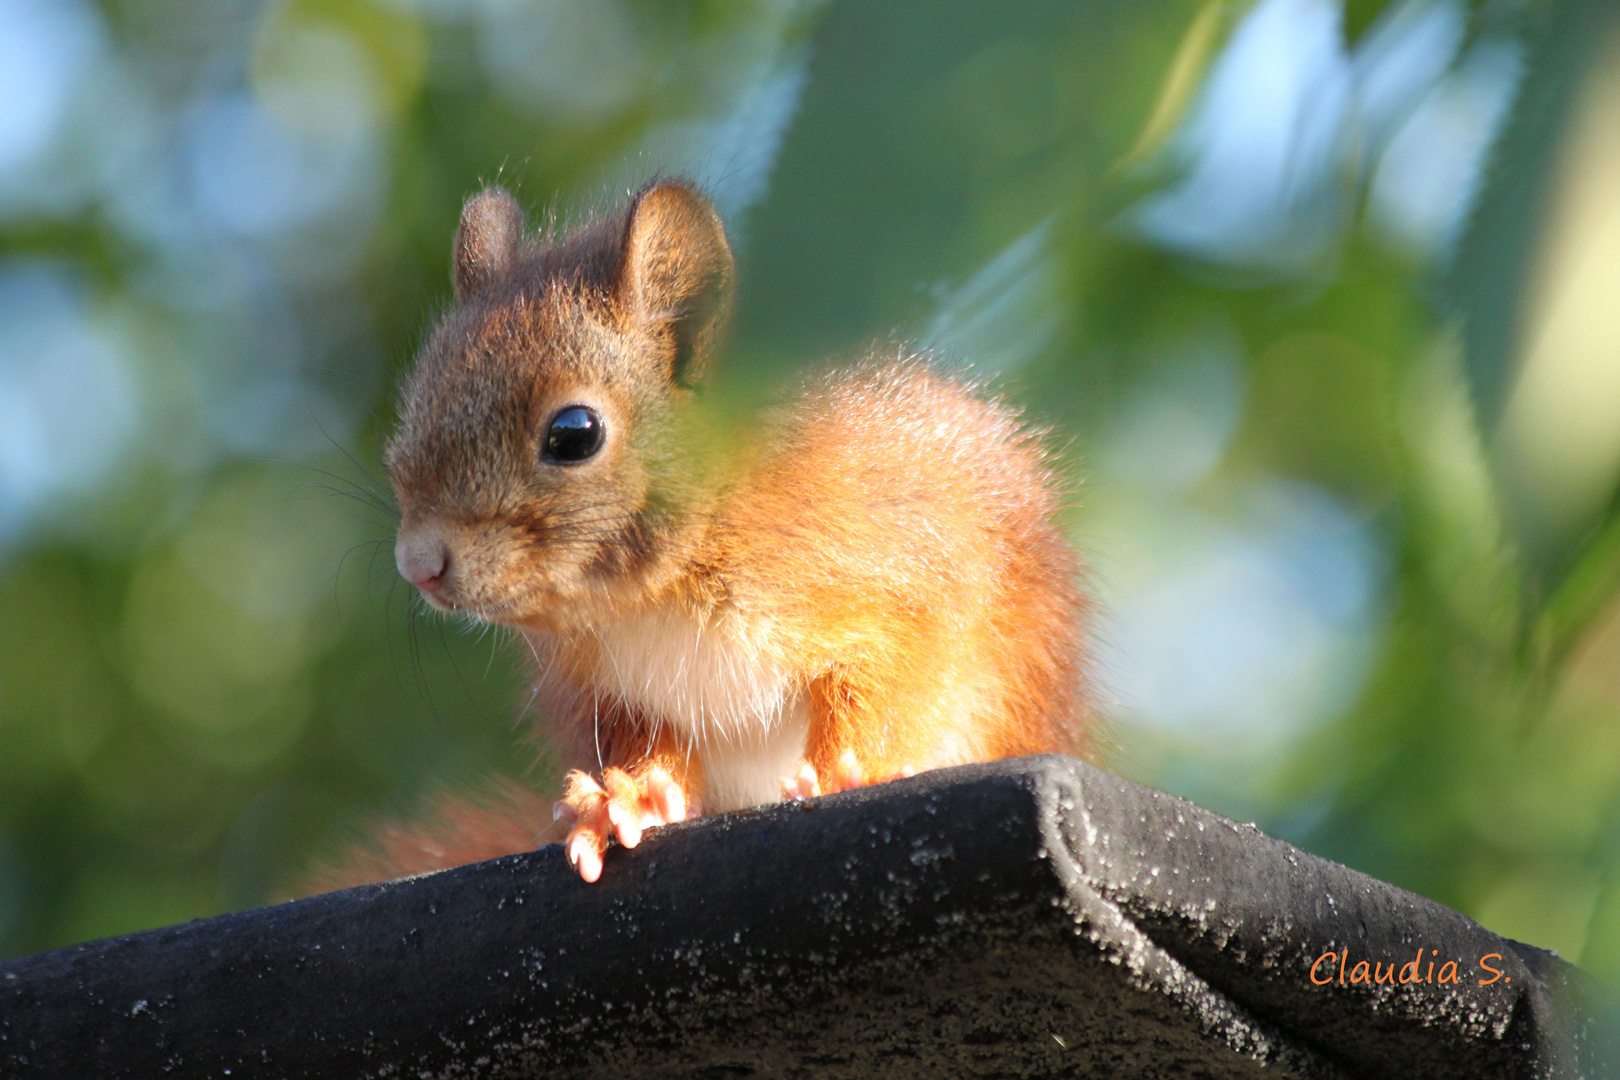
1034,917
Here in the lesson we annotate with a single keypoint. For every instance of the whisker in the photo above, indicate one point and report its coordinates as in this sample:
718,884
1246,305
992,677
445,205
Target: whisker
369,496
360,495
343,560
350,458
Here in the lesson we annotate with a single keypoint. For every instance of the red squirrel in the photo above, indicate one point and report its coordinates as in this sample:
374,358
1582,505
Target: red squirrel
868,581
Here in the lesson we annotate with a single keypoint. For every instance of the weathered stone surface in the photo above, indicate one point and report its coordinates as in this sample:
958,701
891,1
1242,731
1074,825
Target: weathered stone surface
1026,918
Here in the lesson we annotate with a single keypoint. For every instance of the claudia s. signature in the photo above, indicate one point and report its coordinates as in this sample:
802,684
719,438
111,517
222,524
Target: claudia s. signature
1333,965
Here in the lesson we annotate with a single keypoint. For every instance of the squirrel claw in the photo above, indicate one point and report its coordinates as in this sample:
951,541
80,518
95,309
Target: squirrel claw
619,807
847,776
585,856
801,785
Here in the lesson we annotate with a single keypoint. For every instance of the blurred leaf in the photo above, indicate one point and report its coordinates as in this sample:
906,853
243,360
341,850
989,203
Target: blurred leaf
1494,266
1181,81
1581,595
1491,268
304,44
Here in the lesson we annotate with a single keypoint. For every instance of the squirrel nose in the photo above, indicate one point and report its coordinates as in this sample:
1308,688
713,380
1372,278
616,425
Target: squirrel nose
422,558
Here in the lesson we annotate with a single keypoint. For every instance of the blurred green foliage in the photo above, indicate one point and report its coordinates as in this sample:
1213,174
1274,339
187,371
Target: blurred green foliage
210,674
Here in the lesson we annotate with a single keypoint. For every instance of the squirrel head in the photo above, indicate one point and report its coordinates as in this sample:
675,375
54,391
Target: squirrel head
539,463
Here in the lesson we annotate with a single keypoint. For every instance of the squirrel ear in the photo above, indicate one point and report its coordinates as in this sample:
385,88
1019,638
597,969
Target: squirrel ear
491,229
676,271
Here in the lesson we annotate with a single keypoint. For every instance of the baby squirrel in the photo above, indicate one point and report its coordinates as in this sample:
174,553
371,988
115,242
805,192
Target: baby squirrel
868,582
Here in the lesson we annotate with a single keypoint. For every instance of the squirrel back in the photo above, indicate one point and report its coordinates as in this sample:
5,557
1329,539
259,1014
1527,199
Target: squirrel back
868,580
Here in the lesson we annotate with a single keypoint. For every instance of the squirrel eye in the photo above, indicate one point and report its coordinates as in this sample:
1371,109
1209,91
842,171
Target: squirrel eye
575,434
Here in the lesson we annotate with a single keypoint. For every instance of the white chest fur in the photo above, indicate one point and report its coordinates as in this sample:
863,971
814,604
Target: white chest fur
739,709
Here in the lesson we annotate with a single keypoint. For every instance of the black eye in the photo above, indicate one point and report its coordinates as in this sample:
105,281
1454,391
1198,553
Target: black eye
575,434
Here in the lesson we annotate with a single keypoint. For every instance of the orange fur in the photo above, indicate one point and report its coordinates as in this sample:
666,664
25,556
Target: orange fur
502,821
874,568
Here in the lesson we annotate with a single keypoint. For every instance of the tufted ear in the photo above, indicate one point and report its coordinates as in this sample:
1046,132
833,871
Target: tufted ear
486,240
675,273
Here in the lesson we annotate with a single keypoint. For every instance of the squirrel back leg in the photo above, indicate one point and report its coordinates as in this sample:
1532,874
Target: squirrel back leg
849,746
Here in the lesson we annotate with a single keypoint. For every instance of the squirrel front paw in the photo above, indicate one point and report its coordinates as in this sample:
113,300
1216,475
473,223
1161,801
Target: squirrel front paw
620,806
847,775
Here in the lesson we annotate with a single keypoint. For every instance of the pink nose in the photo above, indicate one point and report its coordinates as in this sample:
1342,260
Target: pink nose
422,558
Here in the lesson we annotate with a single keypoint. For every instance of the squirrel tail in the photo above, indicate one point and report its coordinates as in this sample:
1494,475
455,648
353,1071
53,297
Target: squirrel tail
456,829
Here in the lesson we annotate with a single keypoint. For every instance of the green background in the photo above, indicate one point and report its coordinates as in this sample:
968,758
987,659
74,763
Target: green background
210,674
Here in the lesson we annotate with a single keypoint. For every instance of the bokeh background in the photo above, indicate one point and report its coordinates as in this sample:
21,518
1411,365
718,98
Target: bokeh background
1320,298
